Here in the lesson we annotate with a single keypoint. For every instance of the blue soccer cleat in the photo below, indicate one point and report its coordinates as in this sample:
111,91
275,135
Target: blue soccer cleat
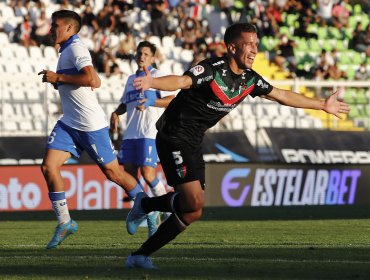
136,215
152,221
62,232
139,261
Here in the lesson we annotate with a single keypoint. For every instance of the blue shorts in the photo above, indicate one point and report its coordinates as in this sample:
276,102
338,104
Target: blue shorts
96,143
141,152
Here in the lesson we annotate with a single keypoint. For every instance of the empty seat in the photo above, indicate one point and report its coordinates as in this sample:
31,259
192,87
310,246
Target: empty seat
36,53
4,39
50,53
38,111
21,53
11,126
156,41
6,53
11,68
26,125
186,56
166,66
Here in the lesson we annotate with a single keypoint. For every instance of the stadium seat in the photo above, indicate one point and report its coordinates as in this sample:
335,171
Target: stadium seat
6,53
10,68
11,126
50,53
38,111
21,53
4,39
178,68
322,32
26,125
36,53
186,56
357,9
166,66
156,41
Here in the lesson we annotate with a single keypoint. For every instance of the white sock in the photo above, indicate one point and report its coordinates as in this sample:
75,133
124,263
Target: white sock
158,189
60,208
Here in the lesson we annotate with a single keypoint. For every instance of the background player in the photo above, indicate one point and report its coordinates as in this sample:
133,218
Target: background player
138,150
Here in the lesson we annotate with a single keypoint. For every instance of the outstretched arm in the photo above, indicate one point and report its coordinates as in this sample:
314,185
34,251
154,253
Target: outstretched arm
330,105
166,83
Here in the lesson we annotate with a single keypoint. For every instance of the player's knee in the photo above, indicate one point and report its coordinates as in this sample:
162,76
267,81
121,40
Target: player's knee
196,202
46,169
111,175
190,218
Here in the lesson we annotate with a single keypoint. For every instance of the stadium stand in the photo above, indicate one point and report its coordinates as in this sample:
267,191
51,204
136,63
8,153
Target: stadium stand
29,107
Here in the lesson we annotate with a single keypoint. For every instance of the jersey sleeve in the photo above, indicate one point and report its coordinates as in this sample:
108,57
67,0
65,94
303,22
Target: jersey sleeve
82,57
201,74
262,87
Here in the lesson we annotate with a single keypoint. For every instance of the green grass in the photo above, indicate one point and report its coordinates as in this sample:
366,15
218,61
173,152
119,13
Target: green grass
244,243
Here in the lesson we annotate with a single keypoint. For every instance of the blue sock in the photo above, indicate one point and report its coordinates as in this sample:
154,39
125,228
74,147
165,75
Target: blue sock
57,196
132,194
154,183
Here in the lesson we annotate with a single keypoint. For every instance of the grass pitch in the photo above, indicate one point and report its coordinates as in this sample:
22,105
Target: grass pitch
239,243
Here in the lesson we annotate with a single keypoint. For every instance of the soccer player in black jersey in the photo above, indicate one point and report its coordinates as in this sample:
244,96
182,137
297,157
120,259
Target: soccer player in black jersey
209,91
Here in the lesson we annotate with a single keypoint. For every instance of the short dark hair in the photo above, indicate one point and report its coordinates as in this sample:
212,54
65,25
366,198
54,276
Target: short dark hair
235,30
149,45
69,15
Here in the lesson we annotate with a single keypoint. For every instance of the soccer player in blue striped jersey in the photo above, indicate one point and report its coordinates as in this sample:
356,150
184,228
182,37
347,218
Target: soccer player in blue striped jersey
138,150
83,125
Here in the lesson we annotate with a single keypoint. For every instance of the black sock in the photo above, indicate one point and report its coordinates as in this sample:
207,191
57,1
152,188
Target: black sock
158,203
166,232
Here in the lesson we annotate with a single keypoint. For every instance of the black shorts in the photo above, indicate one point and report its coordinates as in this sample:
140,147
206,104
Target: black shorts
180,162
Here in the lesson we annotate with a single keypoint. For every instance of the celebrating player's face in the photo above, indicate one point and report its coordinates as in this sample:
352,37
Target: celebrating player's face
246,49
144,57
58,30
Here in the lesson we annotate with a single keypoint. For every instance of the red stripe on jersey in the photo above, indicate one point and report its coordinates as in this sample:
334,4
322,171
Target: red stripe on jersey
224,98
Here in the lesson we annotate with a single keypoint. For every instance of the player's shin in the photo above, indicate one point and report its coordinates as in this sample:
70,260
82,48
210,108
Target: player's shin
166,232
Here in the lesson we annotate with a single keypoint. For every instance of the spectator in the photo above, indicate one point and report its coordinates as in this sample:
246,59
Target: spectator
361,39
340,14
23,33
126,47
324,10
189,27
40,33
226,6
362,74
158,24
106,19
274,15
285,54
334,73
89,19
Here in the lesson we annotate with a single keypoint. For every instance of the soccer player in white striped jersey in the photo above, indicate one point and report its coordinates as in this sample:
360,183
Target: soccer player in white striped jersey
138,149
83,125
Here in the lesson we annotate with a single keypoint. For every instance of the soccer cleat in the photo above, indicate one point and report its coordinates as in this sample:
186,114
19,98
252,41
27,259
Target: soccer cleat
136,215
62,232
152,221
165,216
139,261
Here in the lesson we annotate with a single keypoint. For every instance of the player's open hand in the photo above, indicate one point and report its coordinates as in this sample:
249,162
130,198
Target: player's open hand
145,82
334,106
